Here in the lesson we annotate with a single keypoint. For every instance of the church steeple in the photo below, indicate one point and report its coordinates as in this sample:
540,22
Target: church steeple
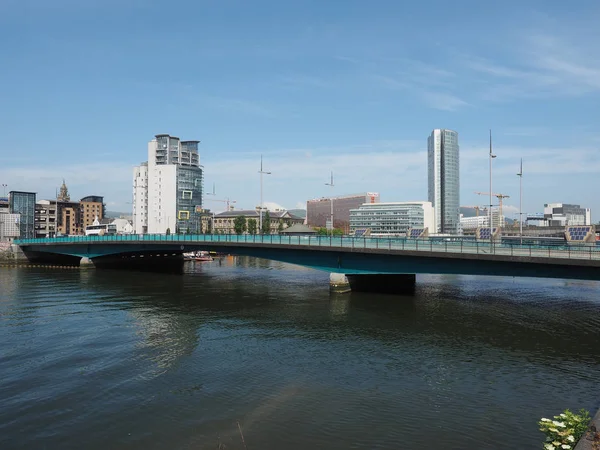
64,193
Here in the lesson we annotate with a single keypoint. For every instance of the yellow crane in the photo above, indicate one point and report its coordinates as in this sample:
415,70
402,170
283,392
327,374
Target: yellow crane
500,197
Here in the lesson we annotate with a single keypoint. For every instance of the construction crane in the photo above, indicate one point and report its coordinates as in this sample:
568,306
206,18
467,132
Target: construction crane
500,197
476,208
227,201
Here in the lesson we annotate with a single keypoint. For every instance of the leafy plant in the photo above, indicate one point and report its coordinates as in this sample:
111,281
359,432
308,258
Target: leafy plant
252,226
239,224
266,223
565,430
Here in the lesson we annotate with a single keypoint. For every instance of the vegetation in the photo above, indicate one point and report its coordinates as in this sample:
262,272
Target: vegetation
168,231
280,227
565,430
239,224
252,226
325,232
266,223
188,231
208,227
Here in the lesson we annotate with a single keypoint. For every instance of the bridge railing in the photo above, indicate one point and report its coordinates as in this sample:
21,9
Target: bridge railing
347,242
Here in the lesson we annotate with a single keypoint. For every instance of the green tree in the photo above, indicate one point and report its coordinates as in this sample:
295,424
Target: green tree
168,231
239,224
252,226
280,227
266,223
209,226
188,231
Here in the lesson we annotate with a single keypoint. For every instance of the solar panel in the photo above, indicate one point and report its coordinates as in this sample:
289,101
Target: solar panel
360,232
415,232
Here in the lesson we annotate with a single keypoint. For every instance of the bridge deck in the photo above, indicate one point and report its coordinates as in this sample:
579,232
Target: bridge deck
553,253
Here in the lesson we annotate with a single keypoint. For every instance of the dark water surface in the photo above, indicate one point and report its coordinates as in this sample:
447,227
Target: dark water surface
103,359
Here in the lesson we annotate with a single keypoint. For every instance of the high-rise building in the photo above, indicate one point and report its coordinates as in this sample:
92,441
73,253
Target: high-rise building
444,179
167,189
23,203
45,218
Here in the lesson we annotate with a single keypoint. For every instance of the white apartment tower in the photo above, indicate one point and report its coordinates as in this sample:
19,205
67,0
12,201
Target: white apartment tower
167,189
444,180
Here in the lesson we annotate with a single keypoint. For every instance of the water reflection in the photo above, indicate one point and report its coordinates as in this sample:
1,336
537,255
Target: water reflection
172,361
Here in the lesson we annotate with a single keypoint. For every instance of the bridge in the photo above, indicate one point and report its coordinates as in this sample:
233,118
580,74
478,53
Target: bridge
369,263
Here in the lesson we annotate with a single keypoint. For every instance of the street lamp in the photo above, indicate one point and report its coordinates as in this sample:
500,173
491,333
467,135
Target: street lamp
262,172
331,200
520,175
492,156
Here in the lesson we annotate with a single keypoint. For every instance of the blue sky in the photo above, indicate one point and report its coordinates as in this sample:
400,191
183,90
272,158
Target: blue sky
349,86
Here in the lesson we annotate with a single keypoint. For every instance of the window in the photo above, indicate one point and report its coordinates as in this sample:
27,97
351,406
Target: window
186,195
183,215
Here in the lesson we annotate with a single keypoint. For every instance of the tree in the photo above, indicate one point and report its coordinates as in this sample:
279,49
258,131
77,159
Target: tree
239,224
209,226
280,227
266,223
168,231
188,230
252,226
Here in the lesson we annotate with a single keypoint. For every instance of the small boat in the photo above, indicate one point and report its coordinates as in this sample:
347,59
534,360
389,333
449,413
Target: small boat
197,256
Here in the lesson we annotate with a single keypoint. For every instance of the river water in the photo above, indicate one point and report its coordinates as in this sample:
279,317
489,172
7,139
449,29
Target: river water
107,359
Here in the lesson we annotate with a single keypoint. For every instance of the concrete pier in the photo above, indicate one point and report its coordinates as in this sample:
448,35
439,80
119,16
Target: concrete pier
383,283
338,283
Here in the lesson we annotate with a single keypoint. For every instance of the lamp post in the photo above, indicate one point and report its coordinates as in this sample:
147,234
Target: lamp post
331,201
492,156
520,175
262,172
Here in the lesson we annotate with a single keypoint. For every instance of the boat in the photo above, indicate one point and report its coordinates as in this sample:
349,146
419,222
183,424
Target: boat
197,256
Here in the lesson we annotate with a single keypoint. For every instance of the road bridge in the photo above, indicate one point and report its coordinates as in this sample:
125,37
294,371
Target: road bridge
369,263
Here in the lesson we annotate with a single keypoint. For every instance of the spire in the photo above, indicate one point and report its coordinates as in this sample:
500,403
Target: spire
64,193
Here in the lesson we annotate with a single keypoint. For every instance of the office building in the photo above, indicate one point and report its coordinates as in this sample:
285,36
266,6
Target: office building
45,218
472,223
392,218
443,174
318,211
563,214
23,203
9,226
91,207
167,189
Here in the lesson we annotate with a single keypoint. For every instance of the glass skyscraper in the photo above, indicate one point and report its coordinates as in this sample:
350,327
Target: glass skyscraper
443,170
23,203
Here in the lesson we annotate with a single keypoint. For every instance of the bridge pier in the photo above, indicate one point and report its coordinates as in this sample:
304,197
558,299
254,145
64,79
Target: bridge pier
392,283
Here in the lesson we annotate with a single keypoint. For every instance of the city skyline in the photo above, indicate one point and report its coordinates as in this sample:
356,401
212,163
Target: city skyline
342,90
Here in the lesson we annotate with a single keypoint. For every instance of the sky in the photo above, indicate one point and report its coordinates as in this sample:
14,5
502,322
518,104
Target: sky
352,87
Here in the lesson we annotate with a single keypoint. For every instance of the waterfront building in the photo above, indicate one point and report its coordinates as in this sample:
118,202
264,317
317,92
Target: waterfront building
167,189
23,203
45,218
91,207
472,223
4,205
318,211
392,218
563,214
68,219
123,226
280,220
443,176
9,226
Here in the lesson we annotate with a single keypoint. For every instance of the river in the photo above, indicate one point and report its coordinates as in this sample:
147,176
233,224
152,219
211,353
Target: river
129,360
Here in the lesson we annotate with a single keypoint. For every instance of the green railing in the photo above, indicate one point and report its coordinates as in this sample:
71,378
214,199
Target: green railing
346,242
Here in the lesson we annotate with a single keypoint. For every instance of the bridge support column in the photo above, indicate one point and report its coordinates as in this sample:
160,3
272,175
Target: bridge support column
338,283
393,283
